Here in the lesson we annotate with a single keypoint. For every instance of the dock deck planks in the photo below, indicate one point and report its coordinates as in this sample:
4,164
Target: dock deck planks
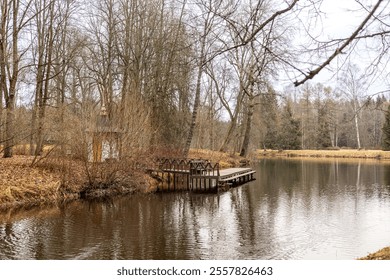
234,173
202,176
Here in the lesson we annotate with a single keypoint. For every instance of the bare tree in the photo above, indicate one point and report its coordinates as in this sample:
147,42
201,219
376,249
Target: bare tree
153,63
13,20
45,27
261,65
208,17
354,87
239,95
102,34
218,82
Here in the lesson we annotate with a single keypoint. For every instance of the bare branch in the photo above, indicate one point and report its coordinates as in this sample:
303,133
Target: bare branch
253,34
338,51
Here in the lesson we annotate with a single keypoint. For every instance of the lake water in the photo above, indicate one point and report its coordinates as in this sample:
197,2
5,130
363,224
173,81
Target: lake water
296,209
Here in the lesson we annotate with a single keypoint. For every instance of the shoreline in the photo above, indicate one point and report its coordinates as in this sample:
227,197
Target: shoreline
323,154
26,186
57,181
331,154
23,186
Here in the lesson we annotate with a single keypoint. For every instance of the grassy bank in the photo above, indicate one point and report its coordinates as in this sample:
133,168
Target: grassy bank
341,153
21,184
52,180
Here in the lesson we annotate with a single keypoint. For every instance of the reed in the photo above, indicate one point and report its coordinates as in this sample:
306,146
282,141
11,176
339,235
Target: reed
51,180
21,183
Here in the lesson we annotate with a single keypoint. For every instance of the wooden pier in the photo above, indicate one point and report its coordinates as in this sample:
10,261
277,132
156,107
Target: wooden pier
198,175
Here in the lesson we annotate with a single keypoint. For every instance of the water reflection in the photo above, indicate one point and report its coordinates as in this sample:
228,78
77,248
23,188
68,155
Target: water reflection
294,210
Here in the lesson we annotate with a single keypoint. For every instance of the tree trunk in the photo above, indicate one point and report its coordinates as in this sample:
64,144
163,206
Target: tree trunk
233,123
3,62
40,131
248,127
37,112
211,122
202,60
10,100
1,114
33,128
356,118
44,78
195,111
357,131
9,126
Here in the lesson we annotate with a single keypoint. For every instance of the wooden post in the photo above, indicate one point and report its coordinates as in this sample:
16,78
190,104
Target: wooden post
169,180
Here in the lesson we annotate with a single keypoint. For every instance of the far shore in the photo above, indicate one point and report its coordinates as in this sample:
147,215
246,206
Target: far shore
336,153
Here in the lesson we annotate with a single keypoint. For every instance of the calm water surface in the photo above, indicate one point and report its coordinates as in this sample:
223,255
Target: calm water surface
294,210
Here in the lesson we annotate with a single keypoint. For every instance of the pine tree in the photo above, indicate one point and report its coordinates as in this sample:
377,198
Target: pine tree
290,130
323,132
386,131
270,114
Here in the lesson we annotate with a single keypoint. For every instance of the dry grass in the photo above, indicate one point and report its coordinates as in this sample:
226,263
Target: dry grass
52,180
383,254
225,160
342,153
21,183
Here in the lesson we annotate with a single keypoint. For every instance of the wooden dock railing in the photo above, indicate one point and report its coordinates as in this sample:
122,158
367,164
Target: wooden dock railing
197,175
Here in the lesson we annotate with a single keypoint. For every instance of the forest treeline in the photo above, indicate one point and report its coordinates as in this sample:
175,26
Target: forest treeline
169,75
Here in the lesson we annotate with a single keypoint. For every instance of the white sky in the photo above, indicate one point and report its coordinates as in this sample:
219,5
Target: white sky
338,20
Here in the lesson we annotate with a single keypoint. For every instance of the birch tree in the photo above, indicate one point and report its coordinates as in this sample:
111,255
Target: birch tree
353,86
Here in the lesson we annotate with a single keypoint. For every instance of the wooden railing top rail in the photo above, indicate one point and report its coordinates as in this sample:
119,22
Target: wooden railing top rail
194,166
